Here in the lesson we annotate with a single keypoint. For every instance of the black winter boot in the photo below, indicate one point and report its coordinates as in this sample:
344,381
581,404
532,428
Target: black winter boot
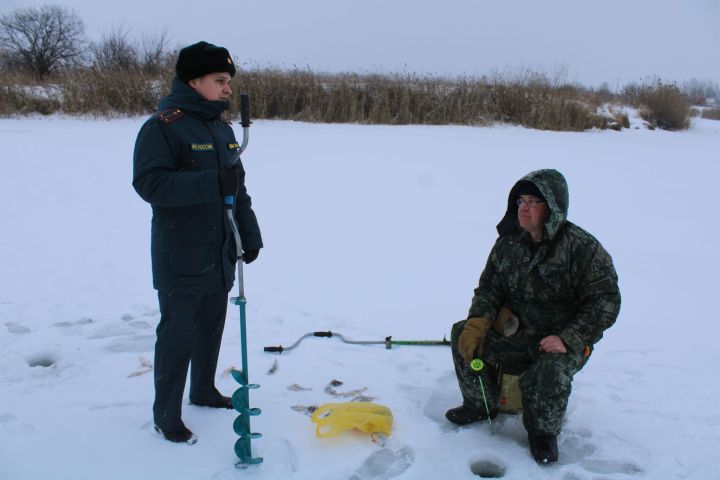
465,414
222,402
184,435
544,448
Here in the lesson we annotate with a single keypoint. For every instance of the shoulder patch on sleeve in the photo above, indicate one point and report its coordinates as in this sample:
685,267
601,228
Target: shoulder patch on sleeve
169,115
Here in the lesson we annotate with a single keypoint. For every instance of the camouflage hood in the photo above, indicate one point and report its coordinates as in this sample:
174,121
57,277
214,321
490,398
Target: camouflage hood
553,186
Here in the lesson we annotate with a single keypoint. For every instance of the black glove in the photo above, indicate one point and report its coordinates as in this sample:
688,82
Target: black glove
250,255
228,181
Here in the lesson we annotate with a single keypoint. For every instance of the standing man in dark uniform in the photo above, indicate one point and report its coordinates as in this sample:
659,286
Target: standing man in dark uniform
182,168
561,285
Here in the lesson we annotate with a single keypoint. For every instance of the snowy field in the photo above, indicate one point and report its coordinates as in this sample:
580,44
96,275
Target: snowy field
370,231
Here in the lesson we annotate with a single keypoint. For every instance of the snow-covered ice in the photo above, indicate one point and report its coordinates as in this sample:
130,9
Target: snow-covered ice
370,231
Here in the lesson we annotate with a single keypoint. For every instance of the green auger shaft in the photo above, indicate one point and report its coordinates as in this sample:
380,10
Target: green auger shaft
416,342
241,399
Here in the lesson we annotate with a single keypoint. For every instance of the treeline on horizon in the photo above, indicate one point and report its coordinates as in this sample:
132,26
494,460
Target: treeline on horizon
117,76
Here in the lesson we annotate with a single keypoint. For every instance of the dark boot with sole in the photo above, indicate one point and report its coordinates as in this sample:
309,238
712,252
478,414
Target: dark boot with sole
184,435
465,414
221,402
544,448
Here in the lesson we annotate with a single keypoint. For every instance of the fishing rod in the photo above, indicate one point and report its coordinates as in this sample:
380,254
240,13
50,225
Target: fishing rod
388,342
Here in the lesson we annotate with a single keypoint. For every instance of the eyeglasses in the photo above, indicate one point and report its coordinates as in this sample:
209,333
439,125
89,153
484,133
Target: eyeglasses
531,202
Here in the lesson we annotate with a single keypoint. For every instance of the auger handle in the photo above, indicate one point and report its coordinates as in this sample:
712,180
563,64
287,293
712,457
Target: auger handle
245,122
245,110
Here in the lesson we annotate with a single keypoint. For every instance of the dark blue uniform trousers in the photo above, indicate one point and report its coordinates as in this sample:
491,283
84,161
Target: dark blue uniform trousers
190,330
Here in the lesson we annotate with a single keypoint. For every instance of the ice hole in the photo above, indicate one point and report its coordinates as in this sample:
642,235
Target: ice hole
44,359
486,469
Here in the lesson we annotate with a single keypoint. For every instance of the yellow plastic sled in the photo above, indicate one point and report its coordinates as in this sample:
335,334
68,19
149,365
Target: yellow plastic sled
335,418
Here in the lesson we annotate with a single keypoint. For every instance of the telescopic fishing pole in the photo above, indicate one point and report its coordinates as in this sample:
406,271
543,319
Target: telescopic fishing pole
388,342
241,397
476,365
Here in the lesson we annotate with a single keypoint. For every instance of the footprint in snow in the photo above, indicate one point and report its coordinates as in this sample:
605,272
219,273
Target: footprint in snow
79,322
575,445
16,329
443,395
130,320
385,464
142,310
130,335
132,344
15,427
75,327
611,466
280,460
114,405
111,331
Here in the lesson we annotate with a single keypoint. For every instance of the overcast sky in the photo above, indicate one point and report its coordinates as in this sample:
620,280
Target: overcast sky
613,41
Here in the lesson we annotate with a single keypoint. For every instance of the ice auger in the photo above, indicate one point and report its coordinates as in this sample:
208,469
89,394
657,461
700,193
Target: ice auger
241,397
388,342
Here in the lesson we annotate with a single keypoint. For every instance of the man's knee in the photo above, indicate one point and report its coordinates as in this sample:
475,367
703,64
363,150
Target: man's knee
549,377
455,332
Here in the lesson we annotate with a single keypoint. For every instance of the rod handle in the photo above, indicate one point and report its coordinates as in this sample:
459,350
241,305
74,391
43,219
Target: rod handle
245,110
327,334
278,349
477,365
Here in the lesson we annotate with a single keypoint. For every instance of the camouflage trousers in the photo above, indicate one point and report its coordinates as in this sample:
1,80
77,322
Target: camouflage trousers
545,378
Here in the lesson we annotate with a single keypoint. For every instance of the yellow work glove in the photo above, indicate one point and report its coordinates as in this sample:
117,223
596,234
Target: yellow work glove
472,337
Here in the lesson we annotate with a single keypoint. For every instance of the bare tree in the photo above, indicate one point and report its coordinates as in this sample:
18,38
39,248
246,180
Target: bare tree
154,53
42,38
115,51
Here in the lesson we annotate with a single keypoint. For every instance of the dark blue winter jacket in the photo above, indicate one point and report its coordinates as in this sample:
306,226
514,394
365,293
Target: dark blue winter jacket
178,153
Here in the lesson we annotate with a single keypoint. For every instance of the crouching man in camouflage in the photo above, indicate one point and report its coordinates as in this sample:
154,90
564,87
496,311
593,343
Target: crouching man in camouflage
561,286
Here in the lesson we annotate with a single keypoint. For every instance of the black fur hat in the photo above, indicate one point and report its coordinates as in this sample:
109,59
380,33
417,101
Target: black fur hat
202,58
526,187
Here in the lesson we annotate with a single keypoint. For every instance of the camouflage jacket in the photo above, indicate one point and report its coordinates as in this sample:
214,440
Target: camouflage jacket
566,286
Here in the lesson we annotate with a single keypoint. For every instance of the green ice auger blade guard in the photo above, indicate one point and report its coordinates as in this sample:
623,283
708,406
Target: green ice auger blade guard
241,400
